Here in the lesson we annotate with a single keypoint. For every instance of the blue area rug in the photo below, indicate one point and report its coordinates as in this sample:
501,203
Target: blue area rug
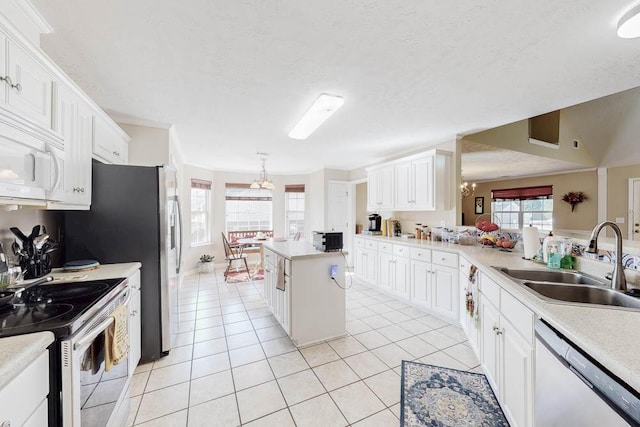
441,397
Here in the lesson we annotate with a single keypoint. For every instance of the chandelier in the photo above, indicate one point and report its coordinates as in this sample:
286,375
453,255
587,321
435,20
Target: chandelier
263,181
467,190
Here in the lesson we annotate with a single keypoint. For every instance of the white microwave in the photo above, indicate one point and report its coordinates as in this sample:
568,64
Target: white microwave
25,172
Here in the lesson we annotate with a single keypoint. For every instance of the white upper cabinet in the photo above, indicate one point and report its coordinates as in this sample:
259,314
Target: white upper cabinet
73,121
109,145
415,183
380,189
28,86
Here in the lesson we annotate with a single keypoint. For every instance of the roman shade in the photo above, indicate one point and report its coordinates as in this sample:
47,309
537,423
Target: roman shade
523,193
294,188
241,191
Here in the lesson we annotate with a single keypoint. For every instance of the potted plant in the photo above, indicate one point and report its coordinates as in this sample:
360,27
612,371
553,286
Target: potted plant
206,263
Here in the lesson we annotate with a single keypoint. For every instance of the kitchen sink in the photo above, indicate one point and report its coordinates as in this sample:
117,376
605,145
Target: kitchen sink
585,294
555,276
571,287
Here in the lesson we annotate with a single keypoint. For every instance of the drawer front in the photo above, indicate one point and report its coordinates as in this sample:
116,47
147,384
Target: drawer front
490,290
444,258
32,385
420,254
359,243
401,250
518,315
269,257
370,244
385,247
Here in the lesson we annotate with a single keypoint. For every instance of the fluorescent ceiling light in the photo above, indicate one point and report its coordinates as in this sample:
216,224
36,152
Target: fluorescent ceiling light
629,24
320,110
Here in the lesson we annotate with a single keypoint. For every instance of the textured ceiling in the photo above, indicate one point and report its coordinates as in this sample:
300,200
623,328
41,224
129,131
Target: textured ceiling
234,76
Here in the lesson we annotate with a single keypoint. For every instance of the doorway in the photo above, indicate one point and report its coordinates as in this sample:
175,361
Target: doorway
339,213
634,209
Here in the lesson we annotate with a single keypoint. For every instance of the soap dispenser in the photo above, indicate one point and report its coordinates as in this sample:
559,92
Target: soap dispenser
553,251
545,243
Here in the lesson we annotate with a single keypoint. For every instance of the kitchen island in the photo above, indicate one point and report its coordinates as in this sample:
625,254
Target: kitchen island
303,296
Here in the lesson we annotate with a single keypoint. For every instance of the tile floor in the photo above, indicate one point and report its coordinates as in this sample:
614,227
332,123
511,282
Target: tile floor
233,365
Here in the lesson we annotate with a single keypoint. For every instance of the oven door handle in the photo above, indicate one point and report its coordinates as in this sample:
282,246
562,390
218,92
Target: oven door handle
90,336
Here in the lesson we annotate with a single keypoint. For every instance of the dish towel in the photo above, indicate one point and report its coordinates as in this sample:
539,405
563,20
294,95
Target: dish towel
280,280
116,338
472,307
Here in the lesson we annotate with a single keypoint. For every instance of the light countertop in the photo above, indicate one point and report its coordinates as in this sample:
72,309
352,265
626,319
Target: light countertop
297,249
18,352
611,336
104,271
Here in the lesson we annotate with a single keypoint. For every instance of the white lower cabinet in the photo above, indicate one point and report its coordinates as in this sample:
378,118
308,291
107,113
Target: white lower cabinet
366,265
394,273
445,291
507,351
402,277
277,300
471,325
135,325
421,284
23,402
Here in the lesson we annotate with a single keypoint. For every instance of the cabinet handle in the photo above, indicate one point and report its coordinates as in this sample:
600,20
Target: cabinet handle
115,153
8,81
6,423
495,328
500,332
17,87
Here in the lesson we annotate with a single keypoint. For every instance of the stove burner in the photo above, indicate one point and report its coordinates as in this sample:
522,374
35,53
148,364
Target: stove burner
65,292
26,315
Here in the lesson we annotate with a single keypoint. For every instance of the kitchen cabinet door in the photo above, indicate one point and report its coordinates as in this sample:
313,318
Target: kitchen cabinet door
371,268
359,263
285,314
4,66
445,291
490,325
421,292
81,154
108,145
403,186
135,334
402,277
30,89
373,193
386,272
422,175
386,187
517,376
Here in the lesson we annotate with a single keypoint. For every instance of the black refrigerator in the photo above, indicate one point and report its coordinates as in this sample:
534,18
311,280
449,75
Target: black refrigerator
135,216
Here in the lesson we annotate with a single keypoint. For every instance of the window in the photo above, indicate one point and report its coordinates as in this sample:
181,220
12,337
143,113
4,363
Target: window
200,207
517,207
247,208
294,209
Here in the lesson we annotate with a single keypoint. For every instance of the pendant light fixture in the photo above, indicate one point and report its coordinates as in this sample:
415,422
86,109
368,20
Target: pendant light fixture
467,190
263,181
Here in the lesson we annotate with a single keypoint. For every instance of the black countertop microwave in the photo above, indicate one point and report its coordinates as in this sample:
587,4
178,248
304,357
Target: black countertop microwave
327,241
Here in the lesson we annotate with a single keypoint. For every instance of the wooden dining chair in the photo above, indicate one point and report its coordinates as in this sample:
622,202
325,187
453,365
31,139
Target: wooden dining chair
233,252
296,236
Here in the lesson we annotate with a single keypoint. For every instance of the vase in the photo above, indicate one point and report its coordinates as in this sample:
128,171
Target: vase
206,267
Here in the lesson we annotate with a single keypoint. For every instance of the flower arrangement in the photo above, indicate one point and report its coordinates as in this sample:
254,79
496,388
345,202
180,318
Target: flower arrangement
574,198
206,258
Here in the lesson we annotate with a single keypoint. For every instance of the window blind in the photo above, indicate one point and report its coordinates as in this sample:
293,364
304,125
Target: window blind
235,191
523,193
200,183
294,188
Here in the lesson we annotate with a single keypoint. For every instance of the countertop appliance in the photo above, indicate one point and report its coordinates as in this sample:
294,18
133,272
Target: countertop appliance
135,216
375,222
27,173
327,241
574,390
78,314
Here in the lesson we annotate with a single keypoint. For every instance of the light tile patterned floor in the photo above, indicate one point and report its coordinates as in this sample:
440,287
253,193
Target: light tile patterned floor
233,365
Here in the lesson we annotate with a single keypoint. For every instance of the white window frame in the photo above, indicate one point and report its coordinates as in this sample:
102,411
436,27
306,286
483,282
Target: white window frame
520,213
198,186
288,212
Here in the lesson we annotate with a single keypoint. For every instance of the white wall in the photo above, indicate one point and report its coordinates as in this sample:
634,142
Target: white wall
149,146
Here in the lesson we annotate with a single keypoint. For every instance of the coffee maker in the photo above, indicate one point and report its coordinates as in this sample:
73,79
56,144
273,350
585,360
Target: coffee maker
375,221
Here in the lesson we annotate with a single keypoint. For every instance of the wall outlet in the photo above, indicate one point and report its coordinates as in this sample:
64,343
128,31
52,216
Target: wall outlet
620,220
443,224
334,271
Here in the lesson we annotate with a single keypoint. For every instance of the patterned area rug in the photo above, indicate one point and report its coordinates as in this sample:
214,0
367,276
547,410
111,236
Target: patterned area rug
242,276
443,397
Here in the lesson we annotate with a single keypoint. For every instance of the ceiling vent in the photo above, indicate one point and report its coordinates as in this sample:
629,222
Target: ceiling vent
544,130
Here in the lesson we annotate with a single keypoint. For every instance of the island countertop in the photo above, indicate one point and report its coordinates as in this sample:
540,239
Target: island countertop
292,249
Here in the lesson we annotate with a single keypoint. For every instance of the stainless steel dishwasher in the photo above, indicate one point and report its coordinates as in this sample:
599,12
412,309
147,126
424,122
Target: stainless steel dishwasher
572,390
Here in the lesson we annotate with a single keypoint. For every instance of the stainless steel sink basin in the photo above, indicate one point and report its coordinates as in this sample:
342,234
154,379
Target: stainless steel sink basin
571,287
584,294
555,276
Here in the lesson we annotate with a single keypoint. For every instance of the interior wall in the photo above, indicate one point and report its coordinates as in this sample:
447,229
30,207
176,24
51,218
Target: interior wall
618,194
362,217
149,146
585,216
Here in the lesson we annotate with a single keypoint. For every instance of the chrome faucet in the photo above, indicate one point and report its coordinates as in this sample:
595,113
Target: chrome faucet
618,279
